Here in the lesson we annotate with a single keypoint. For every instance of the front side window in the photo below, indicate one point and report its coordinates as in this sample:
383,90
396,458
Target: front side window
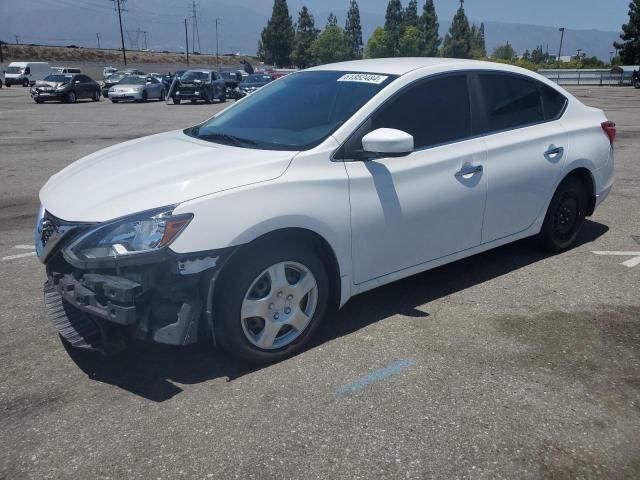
294,113
436,111
27,71
509,101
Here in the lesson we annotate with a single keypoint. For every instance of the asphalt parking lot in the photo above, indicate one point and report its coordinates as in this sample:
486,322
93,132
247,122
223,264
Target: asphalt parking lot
510,364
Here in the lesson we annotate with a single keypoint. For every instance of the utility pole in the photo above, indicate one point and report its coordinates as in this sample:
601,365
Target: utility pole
146,46
1,54
119,8
17,39
560,50
186,38
217,50
194,29
98,37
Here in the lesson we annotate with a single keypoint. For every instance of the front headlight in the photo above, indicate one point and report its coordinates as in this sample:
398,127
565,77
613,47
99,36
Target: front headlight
141,233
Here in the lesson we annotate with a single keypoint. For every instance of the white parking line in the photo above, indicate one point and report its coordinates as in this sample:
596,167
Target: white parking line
25,247
632,262
22,255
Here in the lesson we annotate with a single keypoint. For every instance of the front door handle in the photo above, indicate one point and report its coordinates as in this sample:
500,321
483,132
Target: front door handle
553,151
469,170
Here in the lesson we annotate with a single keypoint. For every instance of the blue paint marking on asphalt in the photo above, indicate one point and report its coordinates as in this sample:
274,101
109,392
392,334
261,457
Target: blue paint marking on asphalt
376,376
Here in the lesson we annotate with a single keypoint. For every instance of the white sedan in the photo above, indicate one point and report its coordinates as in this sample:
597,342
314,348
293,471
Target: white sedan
247,228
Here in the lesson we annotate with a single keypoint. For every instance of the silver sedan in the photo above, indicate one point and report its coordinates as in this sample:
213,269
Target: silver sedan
137,88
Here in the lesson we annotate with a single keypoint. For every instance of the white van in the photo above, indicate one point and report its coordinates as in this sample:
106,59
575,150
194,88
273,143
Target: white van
26,73
63,70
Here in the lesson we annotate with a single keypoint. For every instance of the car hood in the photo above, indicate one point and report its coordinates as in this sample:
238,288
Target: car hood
42,83
124,86
152,172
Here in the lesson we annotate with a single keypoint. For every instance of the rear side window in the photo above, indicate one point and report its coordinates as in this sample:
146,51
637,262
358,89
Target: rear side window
552,101
510,101
435,112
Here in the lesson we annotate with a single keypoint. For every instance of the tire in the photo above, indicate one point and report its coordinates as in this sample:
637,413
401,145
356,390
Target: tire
96,96
223,97
145,96
176,101
637,84
25,82
72,97
565,216
250,278
37,100
162,96
113,100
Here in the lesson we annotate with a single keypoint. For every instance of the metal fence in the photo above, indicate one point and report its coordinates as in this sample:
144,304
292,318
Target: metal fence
585,77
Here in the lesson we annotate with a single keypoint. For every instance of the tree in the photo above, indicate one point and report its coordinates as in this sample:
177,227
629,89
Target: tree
353,29
332,21
411,14
538,55
504,52
379,44
526,55
430,26
457,43
331,46
478,46
393,24
630,36
278,36
411,42
306,34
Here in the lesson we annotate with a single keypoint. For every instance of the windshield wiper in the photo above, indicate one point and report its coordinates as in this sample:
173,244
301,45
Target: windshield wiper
229,139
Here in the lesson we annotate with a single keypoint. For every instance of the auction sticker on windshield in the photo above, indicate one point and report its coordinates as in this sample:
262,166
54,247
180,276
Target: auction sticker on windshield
363,78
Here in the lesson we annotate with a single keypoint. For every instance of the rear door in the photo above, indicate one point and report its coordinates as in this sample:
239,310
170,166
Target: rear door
83,86
429,204
526,149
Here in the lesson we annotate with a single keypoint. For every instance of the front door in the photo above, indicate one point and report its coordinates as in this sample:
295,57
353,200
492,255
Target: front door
410,210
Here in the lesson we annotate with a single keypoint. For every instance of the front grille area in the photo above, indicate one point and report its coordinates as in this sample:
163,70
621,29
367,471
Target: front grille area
49,231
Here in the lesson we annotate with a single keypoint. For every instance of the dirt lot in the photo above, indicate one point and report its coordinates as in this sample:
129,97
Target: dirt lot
510,364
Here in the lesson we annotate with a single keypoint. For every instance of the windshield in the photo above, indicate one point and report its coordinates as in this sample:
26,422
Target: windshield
257,79
294,113
116,77
14,69
191,76
58,78
133,81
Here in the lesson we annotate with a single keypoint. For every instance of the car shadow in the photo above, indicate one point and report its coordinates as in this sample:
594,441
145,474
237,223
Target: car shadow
155,371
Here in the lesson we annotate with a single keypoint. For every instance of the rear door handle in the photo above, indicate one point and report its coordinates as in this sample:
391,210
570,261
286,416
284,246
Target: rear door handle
553,151
469,170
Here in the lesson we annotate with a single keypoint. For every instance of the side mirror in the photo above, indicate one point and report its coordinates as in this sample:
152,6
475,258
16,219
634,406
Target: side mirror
388,142
77,82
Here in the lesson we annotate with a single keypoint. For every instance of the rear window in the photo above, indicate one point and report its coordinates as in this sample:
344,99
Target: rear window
510,101
553,102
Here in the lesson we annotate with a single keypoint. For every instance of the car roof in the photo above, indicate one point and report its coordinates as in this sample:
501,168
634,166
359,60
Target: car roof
402,66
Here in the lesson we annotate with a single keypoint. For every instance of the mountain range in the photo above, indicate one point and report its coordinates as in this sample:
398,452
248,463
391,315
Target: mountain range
65,22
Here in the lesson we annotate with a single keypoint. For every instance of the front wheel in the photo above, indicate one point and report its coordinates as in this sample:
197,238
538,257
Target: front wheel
162,96
25,82
637,84
176,101
223,96
269,306
565,216
38,100
96,96
72,97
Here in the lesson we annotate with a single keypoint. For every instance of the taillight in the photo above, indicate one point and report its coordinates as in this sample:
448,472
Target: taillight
610,129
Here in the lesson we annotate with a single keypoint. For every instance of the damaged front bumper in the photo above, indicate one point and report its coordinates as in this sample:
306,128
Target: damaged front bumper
162,297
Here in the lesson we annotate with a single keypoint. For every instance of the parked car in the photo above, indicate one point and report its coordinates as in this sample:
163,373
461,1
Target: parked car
65,87
232,81
116,77
195,85
26,73
318,187
251,83
65,70
140,89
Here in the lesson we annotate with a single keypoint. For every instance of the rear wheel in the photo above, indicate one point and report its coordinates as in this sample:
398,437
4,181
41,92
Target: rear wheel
223,97
72,97
269,307
565,216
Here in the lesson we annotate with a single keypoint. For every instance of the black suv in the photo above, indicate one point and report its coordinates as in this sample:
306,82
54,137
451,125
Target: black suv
197,85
